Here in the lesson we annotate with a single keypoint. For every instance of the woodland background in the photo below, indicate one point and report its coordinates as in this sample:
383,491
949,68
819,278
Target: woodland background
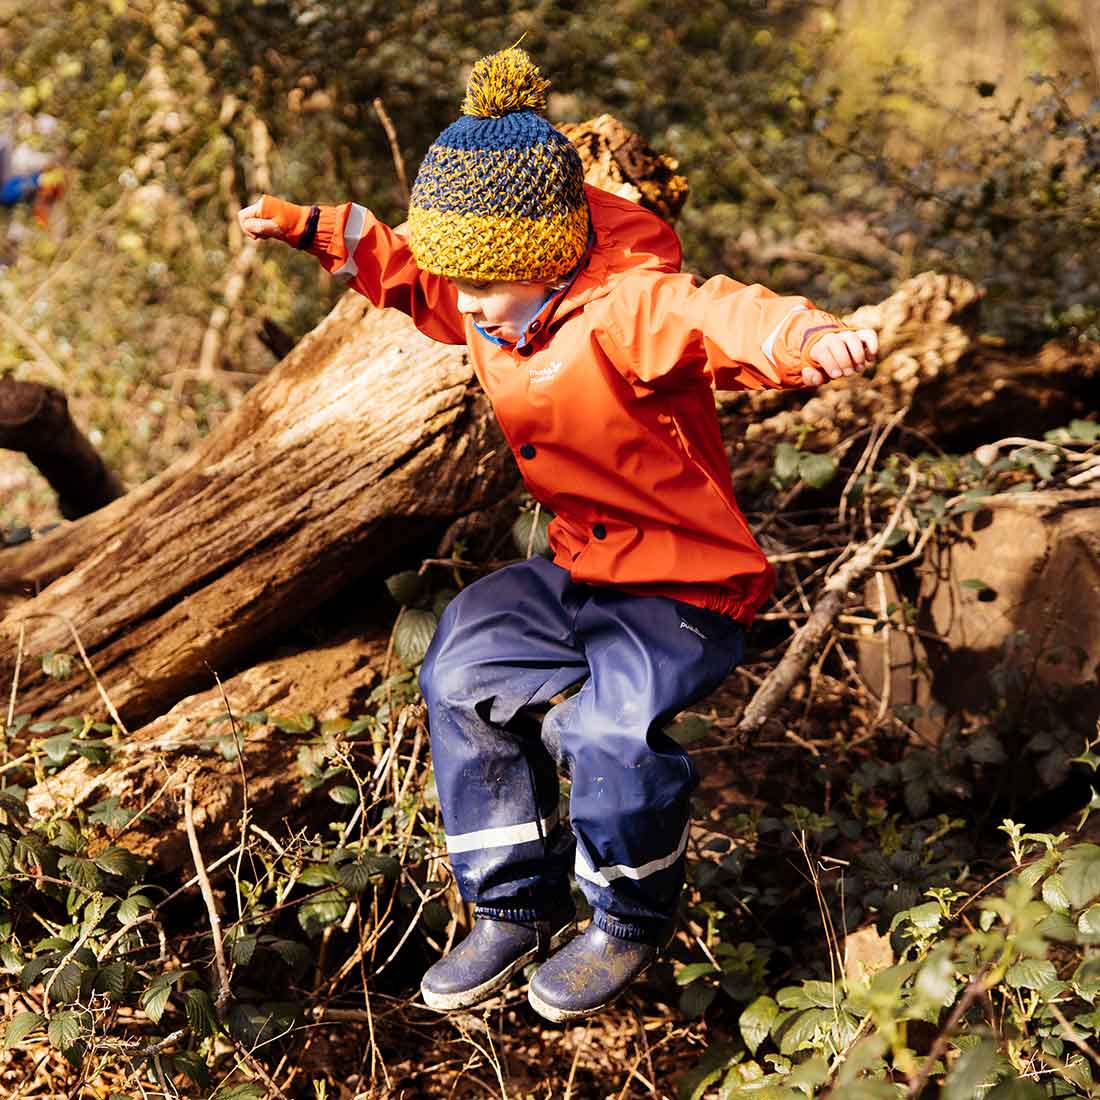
893,883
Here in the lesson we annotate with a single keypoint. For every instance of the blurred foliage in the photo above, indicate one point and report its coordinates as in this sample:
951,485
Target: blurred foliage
832,149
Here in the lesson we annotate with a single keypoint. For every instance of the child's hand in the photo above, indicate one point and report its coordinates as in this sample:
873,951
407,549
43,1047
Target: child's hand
840,354
252,225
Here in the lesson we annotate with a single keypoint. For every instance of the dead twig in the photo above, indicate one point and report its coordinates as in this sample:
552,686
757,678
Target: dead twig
395,149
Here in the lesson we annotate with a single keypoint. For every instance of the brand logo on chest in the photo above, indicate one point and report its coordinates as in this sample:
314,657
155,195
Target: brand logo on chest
546,373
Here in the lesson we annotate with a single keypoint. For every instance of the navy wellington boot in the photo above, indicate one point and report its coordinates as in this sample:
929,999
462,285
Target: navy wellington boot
587,974
492,952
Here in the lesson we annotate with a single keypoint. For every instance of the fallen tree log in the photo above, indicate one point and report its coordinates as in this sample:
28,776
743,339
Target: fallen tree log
34,419
366,438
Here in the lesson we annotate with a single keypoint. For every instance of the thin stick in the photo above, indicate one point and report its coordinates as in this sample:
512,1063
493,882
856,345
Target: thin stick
14,686
395,149
207,892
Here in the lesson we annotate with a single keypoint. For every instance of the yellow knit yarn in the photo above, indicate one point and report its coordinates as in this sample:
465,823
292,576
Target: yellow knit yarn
502,82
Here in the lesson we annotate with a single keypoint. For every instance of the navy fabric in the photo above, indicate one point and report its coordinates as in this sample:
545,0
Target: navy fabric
505,646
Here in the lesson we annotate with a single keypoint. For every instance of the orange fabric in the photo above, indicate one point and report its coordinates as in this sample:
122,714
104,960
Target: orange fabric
607,402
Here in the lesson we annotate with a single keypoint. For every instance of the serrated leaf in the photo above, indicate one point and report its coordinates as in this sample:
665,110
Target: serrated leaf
756,1022
687,974
63,1030
200,1012
522,537
1088,923
1081,874
113,979
80,870
132,908
297,956
154,1000
1054,893
355,876
20,1026
406,587
344,796
319,912
121,862
243,949
1030,974
66,984
413,634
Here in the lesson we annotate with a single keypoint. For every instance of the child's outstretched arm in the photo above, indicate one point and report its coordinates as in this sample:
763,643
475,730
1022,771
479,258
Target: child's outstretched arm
353,244
741,337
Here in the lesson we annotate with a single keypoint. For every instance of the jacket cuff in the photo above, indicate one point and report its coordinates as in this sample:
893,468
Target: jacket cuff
291,218
809,328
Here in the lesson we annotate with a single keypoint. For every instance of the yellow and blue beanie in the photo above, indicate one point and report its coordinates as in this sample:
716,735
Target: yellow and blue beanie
500,193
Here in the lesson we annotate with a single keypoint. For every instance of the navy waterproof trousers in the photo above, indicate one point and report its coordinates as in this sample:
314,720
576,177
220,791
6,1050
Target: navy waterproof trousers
505,646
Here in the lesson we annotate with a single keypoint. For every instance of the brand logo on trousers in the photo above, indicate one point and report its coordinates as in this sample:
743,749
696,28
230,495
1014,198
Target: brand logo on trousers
693,629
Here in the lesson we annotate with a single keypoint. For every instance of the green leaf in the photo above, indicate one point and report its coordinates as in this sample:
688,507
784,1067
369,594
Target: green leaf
243,949
413,634
300,723
756,1021
63,1030
697,998
816,470
154,1000
355,876
193,1066
319,912
345,796
66,986
1088,923
800,1030
20,1026
121,862
689,973
249,1091
522,537
406,587
80,870
1054,894
58,747
1030,974
690,728
716,1059
113,979
200,1012
977,585
132,907
786,461
1081,874
973,1069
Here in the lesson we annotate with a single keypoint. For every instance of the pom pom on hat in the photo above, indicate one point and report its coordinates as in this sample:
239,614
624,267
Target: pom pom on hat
504,82
500,193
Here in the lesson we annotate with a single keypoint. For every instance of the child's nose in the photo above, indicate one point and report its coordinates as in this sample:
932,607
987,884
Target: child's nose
467,303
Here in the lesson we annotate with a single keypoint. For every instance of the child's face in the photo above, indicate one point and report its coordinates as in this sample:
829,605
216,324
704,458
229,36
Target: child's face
501,309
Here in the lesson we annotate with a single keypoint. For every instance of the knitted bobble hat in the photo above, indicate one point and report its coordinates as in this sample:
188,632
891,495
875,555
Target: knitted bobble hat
500,193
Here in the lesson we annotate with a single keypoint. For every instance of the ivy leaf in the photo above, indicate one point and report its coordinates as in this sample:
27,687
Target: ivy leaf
63,1030
756,1022
20,1026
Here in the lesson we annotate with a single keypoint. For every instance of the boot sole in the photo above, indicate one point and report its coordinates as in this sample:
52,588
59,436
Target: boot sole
558,1015
467,998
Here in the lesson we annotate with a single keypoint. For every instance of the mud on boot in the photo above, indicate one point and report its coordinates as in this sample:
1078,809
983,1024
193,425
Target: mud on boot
493,951
587,974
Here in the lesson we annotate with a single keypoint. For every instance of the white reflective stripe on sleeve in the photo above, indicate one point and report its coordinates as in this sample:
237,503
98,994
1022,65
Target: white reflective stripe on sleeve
502,836
606,875
767,345
353,232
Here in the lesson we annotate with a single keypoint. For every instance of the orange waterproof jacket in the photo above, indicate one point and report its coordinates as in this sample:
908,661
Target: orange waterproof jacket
607,401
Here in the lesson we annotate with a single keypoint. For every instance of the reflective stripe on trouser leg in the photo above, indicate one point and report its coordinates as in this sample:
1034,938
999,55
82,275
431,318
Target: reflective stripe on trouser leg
649,658
503,644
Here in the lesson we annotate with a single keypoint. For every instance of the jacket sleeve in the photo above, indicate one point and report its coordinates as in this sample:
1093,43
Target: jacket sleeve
352,244
662,330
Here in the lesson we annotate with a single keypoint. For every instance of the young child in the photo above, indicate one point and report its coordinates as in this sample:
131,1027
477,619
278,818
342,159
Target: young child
600,358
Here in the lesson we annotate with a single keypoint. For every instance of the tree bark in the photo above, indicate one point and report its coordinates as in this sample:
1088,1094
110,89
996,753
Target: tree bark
34,419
